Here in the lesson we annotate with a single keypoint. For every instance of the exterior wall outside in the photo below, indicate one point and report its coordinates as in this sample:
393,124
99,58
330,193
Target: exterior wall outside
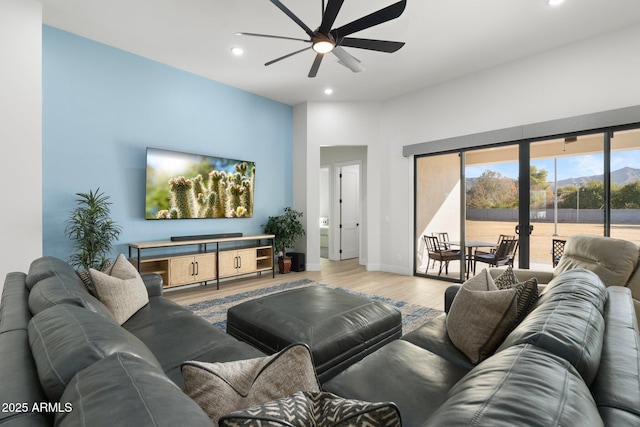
588,216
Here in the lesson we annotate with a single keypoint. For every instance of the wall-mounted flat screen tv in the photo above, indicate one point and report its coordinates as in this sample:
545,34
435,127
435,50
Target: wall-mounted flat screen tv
184,185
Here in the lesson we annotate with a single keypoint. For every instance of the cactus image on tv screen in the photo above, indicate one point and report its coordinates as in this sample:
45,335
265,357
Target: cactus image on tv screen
184,185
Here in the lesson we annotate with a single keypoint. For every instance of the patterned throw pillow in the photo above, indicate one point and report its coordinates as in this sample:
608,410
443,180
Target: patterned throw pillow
122,291
527,291
85,276
303,409
481,316
222,388
506,279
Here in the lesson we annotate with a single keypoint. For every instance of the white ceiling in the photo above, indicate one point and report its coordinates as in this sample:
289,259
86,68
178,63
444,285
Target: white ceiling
445,39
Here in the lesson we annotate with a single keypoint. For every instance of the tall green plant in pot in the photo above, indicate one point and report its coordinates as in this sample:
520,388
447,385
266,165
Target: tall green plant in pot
92,231
287,228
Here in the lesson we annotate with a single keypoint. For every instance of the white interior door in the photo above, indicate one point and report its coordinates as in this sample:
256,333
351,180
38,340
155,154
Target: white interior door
350,212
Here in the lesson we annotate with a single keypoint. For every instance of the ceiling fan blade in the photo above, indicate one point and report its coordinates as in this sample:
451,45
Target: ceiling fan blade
377,45
383,15
293,16
272,37
286,56
316,65
348,60
329,16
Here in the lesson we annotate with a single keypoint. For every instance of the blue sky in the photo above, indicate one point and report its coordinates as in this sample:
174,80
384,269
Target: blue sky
568,167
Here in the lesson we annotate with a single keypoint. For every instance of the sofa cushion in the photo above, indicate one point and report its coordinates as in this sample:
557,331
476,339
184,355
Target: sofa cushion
162,323
318,409
222,388
521,386
567,321
613,260
124,390
433,336
66,339
63,289
413,378
120,289
481,316
44,267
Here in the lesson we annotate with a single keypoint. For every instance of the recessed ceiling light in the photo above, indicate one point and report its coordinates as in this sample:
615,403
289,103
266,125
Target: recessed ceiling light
554,2
237,51
328,91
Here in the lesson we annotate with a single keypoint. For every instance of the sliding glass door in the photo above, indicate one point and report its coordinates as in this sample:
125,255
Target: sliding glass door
585,183
437,216
566,193
625,185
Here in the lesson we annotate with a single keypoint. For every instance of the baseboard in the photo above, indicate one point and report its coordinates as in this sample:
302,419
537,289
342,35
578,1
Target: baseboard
396,269
313,267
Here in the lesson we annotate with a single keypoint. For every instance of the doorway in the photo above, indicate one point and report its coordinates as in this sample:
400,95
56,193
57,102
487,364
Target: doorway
348,180
343,194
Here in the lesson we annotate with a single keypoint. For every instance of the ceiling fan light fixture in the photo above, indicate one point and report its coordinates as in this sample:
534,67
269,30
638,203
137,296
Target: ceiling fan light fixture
323,46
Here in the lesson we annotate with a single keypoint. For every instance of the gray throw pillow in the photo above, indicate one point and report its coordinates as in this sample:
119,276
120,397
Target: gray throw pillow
320,409
222,388
121,290
481,316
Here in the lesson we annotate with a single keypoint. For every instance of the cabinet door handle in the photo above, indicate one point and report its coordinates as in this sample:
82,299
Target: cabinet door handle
239,262
197,268
193,268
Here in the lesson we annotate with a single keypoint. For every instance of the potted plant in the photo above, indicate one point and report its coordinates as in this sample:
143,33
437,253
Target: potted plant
92,231
287,228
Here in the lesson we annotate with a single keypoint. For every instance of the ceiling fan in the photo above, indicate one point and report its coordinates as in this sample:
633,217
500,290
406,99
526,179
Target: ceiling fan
326,40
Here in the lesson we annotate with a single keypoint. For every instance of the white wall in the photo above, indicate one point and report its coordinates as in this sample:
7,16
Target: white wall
320,124
20,134
595,75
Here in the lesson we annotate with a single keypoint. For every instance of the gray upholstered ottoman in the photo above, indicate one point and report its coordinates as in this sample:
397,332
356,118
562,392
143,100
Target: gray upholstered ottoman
340,328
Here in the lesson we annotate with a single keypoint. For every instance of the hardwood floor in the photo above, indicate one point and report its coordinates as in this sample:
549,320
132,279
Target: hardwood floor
348,274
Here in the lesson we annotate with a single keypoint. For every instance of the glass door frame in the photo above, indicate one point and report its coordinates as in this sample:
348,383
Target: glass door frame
524,190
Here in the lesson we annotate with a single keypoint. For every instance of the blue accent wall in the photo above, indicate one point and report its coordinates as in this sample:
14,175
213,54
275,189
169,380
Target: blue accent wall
102,107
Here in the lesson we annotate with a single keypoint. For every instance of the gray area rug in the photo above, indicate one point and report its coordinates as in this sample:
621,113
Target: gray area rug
215,310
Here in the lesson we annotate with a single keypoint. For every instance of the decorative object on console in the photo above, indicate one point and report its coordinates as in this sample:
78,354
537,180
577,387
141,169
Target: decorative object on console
184,185
92,232
287,228
222,388
120,289
320,409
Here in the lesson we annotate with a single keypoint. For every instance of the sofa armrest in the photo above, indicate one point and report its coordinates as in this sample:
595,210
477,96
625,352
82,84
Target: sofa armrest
449,295
153,282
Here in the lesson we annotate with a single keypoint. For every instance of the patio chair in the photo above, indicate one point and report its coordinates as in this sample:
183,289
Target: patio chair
493,250
437,253
557,250
504,254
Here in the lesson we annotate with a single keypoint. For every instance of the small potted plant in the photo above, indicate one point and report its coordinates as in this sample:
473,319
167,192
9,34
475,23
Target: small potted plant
92,232
287,228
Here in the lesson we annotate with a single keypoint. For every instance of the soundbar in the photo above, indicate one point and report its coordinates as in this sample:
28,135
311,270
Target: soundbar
204,237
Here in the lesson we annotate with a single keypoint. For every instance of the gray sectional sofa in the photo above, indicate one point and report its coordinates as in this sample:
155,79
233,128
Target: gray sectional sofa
573,360
64,359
